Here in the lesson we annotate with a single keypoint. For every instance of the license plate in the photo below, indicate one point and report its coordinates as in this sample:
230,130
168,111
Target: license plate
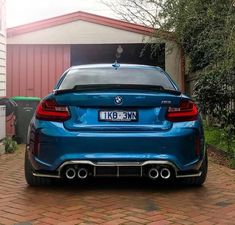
118,116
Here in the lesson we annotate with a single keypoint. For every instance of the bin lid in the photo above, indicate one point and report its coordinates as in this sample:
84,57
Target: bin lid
24,98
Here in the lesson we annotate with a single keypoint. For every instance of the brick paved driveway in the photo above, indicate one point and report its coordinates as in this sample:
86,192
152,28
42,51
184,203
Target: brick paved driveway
113,202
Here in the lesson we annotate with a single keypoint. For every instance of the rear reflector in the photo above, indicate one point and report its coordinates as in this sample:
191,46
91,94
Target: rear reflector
187,111
197,145
50,110
36,145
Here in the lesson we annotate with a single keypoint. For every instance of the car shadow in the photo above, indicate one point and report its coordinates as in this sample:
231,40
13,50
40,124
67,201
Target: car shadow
118,185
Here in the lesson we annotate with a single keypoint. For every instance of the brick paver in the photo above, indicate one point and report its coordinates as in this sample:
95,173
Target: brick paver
113,202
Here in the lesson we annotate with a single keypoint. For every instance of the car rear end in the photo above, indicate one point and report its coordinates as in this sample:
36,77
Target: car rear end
126,121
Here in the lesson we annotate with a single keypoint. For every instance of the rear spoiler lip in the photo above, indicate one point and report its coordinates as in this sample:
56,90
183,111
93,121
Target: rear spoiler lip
89,88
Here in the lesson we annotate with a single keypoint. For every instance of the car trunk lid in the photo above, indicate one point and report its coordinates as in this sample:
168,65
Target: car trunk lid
150,108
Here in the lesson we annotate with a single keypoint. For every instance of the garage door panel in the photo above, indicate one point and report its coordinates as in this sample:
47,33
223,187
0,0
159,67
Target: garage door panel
59,61
15,70
52,66
38,70
67,56
45,70
32,70
23,70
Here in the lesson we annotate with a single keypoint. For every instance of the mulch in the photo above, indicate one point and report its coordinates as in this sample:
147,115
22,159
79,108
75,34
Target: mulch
218,156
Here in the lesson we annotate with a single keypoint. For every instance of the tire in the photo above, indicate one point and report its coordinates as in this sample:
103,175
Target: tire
198,181
30,178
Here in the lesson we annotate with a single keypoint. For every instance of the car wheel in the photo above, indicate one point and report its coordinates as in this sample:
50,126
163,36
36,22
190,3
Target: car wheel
198,181
30,178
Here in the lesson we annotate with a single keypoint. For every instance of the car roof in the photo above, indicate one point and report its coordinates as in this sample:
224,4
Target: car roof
106,65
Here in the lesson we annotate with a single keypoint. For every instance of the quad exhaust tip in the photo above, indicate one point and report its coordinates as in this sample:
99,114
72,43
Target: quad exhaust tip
165,173
153,173
82,173
70,173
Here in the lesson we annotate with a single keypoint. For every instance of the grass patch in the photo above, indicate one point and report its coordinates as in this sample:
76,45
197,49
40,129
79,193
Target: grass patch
216,136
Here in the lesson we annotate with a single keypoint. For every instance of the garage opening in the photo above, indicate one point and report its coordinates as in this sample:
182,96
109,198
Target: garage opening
106,53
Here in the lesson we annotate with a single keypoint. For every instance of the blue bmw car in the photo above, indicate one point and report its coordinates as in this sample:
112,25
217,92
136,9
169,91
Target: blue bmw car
116,120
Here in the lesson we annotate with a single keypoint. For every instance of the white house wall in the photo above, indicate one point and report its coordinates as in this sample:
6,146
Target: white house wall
2,72
173,62
78,32
2,50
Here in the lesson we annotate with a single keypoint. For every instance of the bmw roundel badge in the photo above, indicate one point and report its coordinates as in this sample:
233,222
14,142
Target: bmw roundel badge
118,100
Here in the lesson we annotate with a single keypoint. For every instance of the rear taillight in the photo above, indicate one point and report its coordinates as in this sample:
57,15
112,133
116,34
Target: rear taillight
187,111
49,109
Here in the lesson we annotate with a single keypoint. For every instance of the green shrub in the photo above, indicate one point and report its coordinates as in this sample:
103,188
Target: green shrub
214,92
232,163
10,145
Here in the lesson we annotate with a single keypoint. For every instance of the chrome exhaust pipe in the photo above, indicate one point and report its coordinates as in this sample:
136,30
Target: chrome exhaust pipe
70,173
153,173
165,173
82,173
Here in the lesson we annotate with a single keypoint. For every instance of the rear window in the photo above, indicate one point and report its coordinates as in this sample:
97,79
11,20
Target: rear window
109,76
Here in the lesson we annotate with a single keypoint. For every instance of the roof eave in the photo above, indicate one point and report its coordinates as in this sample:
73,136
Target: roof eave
84,16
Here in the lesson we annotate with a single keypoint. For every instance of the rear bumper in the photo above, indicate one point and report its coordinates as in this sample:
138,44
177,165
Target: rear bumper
57,146
120,169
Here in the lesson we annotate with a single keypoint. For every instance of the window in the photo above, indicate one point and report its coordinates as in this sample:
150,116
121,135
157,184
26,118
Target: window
121,76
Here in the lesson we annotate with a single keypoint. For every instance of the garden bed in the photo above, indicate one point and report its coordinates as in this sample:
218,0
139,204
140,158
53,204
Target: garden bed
218,149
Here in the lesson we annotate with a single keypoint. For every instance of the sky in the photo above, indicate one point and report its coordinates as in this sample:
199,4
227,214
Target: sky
25,11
